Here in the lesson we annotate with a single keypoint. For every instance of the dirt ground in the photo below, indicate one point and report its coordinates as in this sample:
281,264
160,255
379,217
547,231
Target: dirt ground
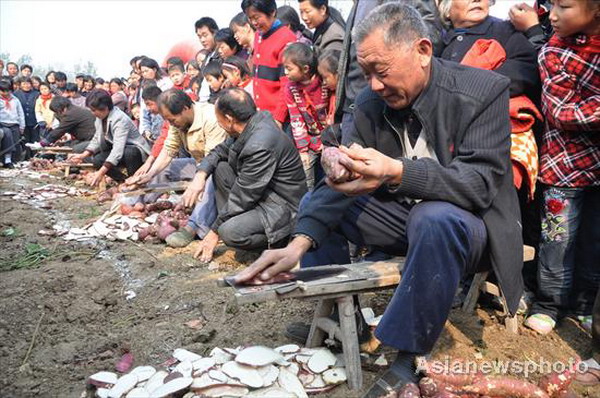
73,315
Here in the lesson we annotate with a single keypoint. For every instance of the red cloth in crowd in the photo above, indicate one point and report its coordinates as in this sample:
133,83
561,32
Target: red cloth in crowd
45,98
489,54
160,141
570,72
307,106
184,85
6,101
269,79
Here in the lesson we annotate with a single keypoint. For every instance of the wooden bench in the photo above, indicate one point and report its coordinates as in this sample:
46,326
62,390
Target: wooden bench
338,291
480,284
334,291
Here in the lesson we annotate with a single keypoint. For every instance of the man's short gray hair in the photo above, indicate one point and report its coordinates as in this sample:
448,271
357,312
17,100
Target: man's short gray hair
401,23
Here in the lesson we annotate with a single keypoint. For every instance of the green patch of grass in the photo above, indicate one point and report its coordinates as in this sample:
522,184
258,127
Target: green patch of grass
11,232
34,254
90,212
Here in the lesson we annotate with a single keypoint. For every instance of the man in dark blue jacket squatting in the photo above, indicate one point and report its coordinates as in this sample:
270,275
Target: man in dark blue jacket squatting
427,175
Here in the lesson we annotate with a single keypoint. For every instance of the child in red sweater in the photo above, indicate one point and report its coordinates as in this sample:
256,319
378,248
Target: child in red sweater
181,81
307,100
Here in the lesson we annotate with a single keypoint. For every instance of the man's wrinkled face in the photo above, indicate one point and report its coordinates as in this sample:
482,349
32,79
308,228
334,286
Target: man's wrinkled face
182,121
396,73
226,122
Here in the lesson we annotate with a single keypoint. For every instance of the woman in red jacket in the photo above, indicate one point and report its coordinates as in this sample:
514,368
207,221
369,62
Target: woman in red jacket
270,40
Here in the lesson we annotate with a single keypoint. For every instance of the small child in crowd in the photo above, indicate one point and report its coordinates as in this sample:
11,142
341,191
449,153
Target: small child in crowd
135,114
235,70
307,99
35,82
28,97
213,74
328,70
12,123
569,166
201,56
192,69
195,87
180,80
43,114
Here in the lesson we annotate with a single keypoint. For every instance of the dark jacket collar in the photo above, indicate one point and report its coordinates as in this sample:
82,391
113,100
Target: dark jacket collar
259,117
479,30
276,26
321,29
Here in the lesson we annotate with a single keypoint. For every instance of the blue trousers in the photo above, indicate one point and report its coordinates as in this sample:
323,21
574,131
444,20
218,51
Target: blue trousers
568,269
441,241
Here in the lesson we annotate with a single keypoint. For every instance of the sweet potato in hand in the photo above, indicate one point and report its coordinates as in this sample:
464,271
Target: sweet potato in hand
330,159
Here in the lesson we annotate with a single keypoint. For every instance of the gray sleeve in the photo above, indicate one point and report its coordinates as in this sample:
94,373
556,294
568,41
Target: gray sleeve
94,145
120,132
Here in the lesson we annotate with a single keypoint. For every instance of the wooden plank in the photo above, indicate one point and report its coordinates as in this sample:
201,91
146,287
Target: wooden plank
490,288
350,342
173,186
512,324
316,334
53,149
381,274
528,253
473,294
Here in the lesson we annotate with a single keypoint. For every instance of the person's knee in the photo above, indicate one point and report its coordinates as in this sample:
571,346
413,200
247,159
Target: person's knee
221,174
304,201
231,236
434,216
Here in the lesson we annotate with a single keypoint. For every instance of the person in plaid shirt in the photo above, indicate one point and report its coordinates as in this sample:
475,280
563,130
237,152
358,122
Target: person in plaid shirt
570,165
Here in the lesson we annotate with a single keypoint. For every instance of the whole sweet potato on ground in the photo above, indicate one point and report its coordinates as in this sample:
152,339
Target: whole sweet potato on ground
505,387
159,206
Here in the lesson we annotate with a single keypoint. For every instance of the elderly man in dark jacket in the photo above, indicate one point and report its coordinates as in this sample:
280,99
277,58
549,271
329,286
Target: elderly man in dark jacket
427,175
79,122
258,177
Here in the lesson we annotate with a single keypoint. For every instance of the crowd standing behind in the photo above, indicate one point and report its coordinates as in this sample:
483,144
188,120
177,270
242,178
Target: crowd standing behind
298,84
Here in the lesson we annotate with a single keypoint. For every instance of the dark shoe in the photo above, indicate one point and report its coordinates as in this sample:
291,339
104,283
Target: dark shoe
180,238
391,385
9,166
297,332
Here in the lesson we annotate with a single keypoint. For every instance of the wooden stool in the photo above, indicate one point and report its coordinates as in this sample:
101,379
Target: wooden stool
480,284
330,291
81,166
